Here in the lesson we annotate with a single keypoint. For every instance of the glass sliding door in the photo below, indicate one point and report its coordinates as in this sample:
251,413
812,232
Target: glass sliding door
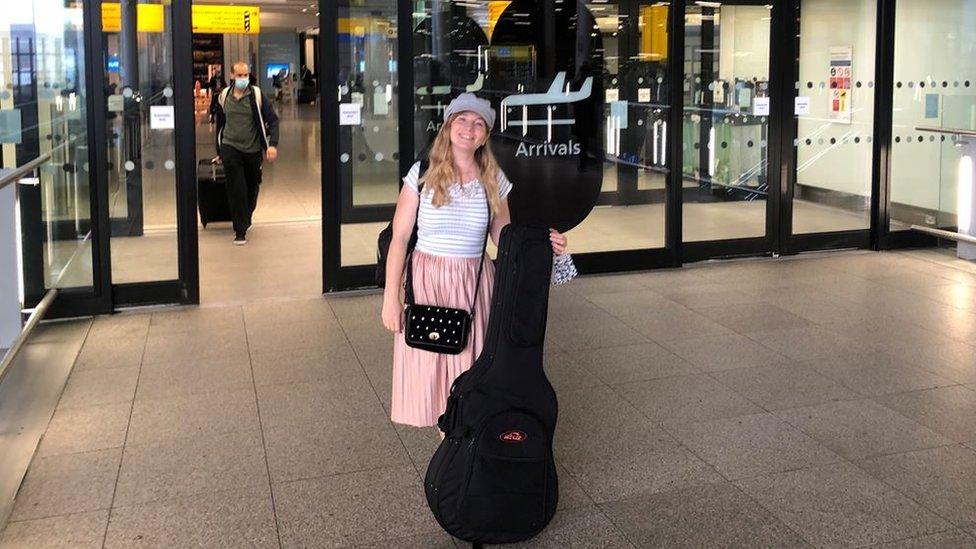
833,115
727,121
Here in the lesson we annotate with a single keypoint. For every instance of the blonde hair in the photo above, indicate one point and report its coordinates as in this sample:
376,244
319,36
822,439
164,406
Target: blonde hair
441,174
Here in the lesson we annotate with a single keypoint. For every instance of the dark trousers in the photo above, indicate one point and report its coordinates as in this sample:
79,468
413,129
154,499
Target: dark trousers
243,172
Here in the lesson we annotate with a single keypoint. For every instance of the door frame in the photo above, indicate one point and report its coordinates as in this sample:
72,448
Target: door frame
185,289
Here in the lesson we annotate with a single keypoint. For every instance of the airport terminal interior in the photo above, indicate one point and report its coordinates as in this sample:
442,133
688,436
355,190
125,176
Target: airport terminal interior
771,343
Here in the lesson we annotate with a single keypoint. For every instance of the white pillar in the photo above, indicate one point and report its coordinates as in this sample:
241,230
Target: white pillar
9,264
966,190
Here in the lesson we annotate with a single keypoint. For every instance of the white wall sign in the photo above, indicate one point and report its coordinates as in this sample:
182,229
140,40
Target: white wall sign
644,95
116,103
760,107
612,94
840,72
162,117
350,114
801,105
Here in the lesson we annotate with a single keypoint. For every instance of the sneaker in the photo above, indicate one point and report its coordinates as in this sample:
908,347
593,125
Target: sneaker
240,239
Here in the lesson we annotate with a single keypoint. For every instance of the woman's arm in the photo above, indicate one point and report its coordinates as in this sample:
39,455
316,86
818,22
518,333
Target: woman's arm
403,222
502,218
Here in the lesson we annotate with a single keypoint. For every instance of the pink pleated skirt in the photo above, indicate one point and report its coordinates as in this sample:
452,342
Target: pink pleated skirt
422,379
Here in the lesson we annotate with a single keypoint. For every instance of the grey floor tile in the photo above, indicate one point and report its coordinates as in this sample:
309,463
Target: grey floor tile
857,429
711,295
711,515
630,474
70,483
341,445
124,352
633,302
309,402
190,319
181,467
953,539
112,326
723,352
570,306
312,365
838,505
958,295
672,325
578,441
295,335
749,446
86,429
627,363
887,333
364,507
593,285
291,310
754,317
571,494
236,518
589,334
420,442
873,374
949,411
81,530
783,385
439,540
193,415
807,343
195,345
941,479
101,386
193,376
685,399
566,374
578,527
955,361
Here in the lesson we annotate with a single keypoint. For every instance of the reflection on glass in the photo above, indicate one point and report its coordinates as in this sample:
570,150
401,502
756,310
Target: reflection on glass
141,175
935,87
369,156
726,121
582,101
834,116
43,115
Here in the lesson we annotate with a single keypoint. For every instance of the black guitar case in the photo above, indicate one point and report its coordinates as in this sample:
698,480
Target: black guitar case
493,478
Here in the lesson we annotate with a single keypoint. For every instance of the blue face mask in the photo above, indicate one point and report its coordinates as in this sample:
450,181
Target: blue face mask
241,83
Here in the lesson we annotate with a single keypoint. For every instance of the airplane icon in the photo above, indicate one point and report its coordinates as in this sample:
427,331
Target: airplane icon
558,93
446,90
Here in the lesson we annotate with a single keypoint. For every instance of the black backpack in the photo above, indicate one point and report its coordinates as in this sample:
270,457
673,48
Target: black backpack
386,235
493,478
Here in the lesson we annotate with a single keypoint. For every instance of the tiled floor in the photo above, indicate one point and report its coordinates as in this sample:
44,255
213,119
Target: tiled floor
825,401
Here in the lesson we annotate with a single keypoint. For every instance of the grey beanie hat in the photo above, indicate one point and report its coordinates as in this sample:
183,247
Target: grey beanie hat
471,102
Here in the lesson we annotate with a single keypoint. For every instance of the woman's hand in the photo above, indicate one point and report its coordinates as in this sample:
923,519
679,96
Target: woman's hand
392,313
558,241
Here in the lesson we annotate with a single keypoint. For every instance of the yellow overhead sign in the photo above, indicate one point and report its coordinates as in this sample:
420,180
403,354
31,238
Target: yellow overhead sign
149,17
226,19
206,18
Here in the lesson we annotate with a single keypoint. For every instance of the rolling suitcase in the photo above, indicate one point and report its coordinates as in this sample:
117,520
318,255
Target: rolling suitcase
493,478
212,192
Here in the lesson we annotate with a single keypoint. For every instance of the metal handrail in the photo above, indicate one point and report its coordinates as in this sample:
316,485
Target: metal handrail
35,317
952,131
18,173
948,235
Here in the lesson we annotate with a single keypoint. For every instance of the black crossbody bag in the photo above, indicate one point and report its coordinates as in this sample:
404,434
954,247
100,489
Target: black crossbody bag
438,329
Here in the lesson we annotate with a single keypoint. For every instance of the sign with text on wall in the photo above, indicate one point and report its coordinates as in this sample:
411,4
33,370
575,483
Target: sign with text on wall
840,73
214,19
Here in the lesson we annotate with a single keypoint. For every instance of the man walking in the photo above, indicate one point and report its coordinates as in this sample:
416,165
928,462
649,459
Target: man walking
247,125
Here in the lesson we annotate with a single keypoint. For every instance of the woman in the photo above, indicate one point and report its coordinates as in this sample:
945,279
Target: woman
453,216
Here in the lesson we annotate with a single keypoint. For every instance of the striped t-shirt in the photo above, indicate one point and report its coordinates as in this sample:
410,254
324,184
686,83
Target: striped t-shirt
457,228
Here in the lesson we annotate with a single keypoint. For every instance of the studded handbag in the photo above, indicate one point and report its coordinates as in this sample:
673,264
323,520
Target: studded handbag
440,329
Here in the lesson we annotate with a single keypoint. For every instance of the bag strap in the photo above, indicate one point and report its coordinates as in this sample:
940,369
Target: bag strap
408,297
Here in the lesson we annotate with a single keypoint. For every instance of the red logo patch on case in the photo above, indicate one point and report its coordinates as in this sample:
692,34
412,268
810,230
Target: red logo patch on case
512,436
